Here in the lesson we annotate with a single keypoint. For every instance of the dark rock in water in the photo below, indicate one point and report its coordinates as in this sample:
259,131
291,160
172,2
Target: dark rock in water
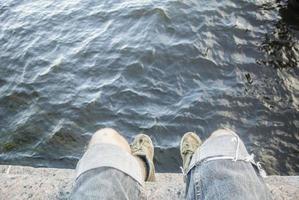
249,79
294,4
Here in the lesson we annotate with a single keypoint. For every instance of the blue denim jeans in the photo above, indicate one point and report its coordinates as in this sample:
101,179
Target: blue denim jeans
106,183
105,172
222,169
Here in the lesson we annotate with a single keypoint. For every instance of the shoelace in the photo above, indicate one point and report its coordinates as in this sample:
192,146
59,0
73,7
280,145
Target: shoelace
137,146
187,149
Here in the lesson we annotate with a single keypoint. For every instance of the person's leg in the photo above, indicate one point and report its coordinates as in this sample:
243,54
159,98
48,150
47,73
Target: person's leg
107,170
112,137
221,168
109,136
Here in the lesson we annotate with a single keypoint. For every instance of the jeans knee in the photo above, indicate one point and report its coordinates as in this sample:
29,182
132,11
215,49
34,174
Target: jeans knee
105,135
222,131
106,132
110,136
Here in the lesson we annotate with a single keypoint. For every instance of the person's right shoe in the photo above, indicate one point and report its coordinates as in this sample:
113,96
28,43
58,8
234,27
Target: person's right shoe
189,143
142,146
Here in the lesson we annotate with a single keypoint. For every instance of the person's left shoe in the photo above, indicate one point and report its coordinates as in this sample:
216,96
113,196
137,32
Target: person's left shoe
142,146
189,144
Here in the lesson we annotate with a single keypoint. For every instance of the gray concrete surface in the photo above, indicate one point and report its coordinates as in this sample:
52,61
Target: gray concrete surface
19,182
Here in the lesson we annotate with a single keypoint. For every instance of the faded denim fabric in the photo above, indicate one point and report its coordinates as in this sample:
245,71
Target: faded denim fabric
106,183
107,172
223,169
109,155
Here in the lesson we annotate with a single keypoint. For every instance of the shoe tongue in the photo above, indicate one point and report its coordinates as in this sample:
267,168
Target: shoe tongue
187,149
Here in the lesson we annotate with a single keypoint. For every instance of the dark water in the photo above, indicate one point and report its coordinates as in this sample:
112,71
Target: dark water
68,68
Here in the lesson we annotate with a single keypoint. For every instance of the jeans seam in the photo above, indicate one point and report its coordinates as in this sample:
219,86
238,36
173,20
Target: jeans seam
197,188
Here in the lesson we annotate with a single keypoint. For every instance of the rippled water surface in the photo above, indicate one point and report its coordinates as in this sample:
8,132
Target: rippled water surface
68,68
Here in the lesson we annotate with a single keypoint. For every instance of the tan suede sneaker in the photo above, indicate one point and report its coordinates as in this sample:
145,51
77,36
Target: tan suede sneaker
189,143
142,146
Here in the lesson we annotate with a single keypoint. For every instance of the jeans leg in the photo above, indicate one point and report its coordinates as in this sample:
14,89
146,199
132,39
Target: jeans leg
224,178
108,172
106,183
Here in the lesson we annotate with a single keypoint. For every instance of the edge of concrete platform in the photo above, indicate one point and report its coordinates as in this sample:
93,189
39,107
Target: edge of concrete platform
20,182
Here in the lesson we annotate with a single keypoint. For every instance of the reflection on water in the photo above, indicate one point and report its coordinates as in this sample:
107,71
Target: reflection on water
159,67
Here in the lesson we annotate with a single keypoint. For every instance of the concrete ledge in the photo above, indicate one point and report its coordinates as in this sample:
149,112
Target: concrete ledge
19,182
